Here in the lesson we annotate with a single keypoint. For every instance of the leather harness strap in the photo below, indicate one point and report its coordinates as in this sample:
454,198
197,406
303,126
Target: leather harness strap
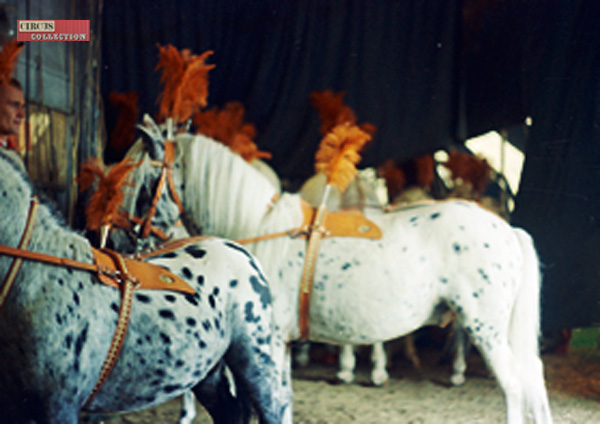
308,272
296,232
17,262
128,285
317,225
166,176
154,230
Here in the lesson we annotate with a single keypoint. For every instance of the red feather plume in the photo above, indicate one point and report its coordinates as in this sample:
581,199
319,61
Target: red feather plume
331,109
425,171
469,168
8,58
394,177
103,207
227,126
185,83
332,112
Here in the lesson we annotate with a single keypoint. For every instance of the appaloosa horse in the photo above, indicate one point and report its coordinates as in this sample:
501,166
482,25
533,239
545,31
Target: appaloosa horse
57,322
432,258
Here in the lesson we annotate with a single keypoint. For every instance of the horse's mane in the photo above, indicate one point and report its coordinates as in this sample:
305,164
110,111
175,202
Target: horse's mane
218,180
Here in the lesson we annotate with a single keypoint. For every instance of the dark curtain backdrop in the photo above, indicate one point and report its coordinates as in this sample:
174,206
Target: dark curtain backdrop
396,61
427,73
559,197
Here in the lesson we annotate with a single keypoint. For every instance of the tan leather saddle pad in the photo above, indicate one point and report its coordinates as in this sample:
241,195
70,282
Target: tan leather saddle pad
349,223
149,276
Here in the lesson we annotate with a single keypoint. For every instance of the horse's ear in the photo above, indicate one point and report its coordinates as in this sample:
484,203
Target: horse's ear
153,138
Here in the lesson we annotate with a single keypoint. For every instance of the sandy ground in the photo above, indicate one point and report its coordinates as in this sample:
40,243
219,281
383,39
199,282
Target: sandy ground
573,382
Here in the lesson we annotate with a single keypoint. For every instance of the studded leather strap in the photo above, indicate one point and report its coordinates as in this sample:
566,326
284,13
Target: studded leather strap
128,285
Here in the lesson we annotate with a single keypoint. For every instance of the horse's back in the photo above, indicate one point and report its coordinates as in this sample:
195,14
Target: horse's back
431,253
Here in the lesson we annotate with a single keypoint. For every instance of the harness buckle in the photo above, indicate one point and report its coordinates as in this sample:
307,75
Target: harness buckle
119,277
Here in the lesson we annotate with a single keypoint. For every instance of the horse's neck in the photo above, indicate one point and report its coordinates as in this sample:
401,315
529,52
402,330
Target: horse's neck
49,235
268,172
223,194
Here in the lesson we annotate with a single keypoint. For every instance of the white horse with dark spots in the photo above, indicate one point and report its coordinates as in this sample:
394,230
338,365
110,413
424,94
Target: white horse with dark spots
433,258
57,323
165,225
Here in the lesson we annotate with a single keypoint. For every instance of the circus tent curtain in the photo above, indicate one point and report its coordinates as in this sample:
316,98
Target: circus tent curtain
396,61
428,74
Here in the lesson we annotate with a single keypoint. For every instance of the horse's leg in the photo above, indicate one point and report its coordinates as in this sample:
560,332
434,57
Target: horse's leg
56,411
460,345
253,367
410,351
283,360
302,356
379,375
188,408
216,394
347,364
501,360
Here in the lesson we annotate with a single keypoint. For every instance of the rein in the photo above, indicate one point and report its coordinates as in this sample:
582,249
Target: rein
166,176
293,233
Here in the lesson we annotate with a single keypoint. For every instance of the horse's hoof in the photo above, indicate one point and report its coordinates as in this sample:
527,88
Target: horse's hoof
457,379
345,377
379,378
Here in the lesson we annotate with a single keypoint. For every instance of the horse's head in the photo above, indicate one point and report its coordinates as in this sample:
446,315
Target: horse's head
152,198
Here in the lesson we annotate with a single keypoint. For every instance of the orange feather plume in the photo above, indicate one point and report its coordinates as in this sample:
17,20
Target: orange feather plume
185,83
469,168
103,208
123,134
8,58
339,152
227,126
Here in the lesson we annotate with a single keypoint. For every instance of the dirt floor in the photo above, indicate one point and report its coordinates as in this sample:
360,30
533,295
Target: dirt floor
573,382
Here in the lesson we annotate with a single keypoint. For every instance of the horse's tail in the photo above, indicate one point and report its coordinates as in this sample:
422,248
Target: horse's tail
525,321
524,332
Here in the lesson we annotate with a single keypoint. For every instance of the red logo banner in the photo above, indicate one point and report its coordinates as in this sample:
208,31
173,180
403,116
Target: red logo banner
52,30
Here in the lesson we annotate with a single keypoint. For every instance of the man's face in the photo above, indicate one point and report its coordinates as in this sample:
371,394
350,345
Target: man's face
12,103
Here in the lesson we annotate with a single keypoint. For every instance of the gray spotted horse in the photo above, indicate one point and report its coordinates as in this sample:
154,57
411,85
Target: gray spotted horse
57,322
148,229
433,258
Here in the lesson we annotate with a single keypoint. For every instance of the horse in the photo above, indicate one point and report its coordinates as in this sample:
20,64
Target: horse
361,193
57,323
365,192
433,258
165,227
